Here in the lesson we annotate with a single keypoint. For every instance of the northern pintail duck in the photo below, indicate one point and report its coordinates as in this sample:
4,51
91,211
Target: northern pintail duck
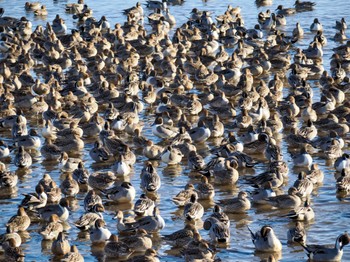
90,200
69,186
343,182
87,220
239,204
61,210
32,6
35,200
150,255
193,210
99,153
195,160
341,25
144,206
151,224
50,151
139,242
205,190
181,237
302,6
200,133
99,233
290,200
285,11
68,164
265,240
52,229
152,151
4,149
120,192
162,131
150,180
171,155
202,253
10,233
117,249
326,253
73,255
183,197
303,185
297,233
316,26
121,167
304,213
218,231
303,159
12,253
61,245
8,179
19,222
102,180
81,174
23,158
260,195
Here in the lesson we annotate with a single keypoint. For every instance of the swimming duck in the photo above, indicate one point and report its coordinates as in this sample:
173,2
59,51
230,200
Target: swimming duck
151,224
121,192
139,242
12,253
265,240
101,180
304,213
193,210
171,155
8,179
32,6
150,180
183,197
87,220
60,246
316,26
341,25
326,253
19,222
343,182
10,233
117,249
81,174
121,167
68,164
162,131
73,255
290,200
90,200
99,233
144,206
303,185
239,204
152,151
35,200
23,158
285,11
52,229
150,255
302,6
297,233
260,195
61,210
200,252
205,190
181,237
69,186
303,159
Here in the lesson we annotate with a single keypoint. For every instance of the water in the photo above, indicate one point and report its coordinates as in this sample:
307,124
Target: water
332,214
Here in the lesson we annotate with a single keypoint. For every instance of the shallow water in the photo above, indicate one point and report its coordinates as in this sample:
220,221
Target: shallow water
332,214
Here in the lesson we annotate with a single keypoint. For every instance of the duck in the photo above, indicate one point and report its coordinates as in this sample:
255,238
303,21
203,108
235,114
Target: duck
290,200
304,213
218,231
162,131
68,164
171,155
193,210
297,233
144,206
73,255
23,159
265,240
61,210
121,167
8,179
263,192
303,159
303,185
120,192
316,26
151,224
183,197
35,200
99,233
69,186
201,133
342,162
32,6
19,222
201,252
139,242
81,175
237,205
181,237
150,255
152,151
205,190
52,229
117,249
302,6
150,180
90,200
12,253
60,246
195,161
101,180
343,182
99,153
326,253
87,220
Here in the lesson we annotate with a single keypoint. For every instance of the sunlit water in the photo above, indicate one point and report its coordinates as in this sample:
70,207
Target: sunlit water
332,214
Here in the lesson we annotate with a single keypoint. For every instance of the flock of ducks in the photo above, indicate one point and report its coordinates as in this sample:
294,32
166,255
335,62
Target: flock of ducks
148,92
